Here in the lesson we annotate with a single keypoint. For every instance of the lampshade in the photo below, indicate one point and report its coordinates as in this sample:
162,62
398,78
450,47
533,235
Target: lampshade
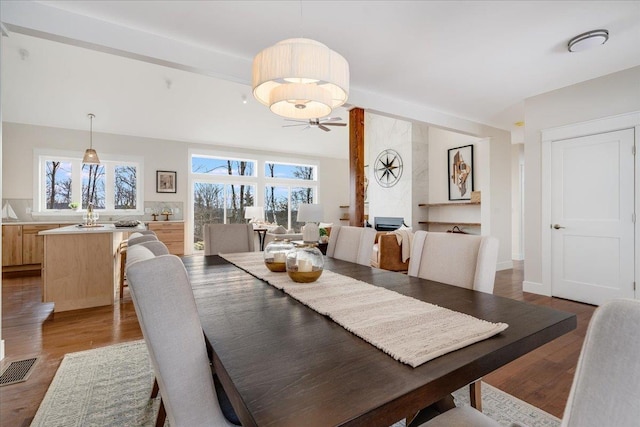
90,155
254,213
310,212
300,78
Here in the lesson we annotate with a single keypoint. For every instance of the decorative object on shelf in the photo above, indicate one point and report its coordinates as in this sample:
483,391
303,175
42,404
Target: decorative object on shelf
166,181
90,155
166,212
311,214
460,172
305,263
75,206
300,78
387,168
275,255
254,214
476,197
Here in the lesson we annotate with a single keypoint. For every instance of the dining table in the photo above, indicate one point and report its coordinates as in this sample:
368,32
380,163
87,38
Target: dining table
283,364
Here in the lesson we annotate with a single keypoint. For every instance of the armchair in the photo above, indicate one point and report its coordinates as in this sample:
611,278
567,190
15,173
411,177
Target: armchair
387,253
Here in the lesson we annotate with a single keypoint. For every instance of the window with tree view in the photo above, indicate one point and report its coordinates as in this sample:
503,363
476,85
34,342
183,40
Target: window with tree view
109,186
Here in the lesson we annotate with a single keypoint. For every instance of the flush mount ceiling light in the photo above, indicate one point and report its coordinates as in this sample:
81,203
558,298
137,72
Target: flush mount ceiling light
90,156
300,79
588,40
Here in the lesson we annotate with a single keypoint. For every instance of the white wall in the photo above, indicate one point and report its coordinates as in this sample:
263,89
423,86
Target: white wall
517,163
610,95
381,133
420,168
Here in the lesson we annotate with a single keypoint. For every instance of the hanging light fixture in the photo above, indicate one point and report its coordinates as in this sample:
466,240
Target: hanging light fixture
90,156
300,79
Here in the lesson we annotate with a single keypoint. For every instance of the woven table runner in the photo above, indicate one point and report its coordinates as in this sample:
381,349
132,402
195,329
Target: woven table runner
409,330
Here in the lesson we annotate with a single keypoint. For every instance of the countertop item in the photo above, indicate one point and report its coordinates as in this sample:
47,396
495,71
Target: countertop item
83,229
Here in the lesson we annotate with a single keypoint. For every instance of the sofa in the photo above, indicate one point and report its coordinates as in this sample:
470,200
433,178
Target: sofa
387,253
280,233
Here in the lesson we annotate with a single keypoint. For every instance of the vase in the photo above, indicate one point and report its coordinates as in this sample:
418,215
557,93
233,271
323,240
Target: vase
275,255
305,263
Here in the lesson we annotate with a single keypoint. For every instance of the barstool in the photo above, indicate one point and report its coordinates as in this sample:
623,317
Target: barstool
134,238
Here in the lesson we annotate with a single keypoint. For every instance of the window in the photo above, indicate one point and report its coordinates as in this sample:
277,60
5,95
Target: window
112,186
224,185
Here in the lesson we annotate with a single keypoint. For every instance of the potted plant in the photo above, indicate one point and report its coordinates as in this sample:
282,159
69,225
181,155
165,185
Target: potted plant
324,236
75,206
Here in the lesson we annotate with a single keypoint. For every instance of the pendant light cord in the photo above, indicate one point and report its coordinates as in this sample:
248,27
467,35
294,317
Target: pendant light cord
91,116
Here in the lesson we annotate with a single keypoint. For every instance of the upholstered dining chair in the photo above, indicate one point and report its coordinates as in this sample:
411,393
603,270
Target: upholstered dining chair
606,385
463,260
228,238
354,244
135,238
168,317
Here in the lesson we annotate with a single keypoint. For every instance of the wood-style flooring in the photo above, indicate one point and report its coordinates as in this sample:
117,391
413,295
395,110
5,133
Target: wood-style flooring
542,378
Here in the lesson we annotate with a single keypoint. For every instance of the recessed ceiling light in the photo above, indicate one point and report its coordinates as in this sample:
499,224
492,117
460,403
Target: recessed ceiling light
588,40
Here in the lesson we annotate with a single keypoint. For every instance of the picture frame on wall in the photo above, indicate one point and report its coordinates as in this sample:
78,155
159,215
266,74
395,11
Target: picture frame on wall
460,172
166,181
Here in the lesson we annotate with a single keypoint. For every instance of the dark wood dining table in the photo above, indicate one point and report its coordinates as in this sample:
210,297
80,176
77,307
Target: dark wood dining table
283,364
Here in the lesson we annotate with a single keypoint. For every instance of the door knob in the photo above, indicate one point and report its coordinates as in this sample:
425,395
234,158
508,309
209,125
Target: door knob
557,226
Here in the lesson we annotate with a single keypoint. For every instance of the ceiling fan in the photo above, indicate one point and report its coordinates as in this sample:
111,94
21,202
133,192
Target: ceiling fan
316,123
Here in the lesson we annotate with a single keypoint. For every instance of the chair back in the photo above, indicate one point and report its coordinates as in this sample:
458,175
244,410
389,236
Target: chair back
156,247
141,239
606,386
463,260
168,317
354,244
228,238
142,233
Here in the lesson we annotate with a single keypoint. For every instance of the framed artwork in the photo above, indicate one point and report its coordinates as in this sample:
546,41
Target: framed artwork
165,182
460,172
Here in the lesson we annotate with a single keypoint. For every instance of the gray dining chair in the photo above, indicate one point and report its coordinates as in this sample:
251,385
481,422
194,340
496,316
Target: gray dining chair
353,244
228,238
464,260
168,317
606,385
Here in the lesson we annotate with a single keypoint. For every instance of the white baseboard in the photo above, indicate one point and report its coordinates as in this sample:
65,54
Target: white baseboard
1,349
504,265
517,256
535,288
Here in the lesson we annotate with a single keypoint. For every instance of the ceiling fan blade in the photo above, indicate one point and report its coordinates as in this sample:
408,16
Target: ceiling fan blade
334,124
307,127
288,126
324,128
296,120
331,119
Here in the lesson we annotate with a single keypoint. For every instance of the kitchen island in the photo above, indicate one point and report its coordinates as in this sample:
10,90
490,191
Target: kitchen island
80,265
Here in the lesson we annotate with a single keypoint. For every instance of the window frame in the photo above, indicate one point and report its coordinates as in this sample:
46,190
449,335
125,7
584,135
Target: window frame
41,156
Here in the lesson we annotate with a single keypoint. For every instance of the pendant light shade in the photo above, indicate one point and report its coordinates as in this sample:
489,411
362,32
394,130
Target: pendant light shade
90,155
300,79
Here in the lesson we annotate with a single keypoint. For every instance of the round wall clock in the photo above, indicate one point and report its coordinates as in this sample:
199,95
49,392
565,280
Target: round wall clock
388,168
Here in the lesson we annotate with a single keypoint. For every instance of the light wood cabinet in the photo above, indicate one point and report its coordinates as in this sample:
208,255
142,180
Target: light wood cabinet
171,234
32,244
11,245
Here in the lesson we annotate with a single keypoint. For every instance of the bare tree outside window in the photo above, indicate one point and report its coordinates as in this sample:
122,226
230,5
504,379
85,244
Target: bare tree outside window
58,184
93,186
126,181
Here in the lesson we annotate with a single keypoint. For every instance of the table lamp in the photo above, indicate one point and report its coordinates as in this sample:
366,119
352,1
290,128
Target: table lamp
311,214
254,213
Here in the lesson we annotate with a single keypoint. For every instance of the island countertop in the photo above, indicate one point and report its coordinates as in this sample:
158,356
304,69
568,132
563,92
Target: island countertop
82,229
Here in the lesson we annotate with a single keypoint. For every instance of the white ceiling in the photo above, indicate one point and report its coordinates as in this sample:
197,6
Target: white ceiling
474,60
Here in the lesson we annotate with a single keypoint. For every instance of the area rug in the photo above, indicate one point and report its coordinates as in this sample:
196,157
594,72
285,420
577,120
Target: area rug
110,386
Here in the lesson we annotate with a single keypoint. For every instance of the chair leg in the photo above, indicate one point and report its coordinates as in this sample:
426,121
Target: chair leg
155,390
475,395
162,415
123,261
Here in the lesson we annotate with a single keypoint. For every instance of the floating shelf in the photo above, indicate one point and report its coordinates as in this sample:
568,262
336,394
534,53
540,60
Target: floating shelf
430,205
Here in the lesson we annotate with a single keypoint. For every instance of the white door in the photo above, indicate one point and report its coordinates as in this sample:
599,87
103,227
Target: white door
592,215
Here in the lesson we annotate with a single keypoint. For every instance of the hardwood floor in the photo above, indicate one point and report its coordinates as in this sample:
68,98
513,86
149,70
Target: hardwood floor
542,378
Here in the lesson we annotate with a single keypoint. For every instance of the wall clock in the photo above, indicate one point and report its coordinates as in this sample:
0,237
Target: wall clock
388,168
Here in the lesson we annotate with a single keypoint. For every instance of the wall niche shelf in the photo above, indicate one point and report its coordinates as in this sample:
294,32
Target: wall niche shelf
445,218
432,205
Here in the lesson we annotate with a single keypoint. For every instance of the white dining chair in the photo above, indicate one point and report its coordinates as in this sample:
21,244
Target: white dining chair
168,317
464,260
606,385
353,244
228,238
